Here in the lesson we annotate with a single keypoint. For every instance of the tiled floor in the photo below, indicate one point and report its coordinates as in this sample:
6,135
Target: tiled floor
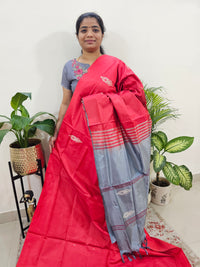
9,241
182,213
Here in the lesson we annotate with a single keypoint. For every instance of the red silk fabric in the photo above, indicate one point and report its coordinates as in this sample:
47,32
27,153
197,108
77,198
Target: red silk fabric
69,228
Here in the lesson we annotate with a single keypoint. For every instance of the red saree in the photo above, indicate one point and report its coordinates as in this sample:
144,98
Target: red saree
69,227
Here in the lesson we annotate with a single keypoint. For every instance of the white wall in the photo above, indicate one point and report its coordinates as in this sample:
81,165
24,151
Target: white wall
159,40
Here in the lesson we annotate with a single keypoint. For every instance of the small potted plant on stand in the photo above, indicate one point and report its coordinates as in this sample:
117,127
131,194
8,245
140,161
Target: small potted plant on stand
26,150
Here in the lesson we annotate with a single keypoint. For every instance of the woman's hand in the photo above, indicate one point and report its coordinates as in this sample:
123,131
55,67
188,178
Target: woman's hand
52,140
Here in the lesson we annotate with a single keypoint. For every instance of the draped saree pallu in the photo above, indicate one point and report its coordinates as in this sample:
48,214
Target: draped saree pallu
120,129
93,205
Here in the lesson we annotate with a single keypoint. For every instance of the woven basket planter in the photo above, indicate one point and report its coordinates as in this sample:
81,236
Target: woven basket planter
24,160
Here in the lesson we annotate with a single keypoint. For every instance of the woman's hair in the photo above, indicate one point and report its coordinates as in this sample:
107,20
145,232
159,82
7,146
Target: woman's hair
91,15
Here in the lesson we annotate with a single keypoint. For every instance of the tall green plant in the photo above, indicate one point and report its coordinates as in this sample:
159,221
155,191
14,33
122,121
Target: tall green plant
159,107
21,124
160,111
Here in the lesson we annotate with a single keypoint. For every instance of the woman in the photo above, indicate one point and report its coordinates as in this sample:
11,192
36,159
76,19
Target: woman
93,204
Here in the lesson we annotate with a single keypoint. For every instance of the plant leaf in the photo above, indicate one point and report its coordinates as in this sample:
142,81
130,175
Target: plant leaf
171,174
159,161
179,144
159,107
31,132
185,176
42,113
18,99
24,111
3,133
157,141
163,137
19,122
13,113
4,117
47,126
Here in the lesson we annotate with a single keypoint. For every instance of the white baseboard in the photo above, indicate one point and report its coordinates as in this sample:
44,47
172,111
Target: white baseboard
13,216
9,216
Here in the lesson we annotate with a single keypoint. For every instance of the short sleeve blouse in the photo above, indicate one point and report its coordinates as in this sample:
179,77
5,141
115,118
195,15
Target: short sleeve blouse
72,72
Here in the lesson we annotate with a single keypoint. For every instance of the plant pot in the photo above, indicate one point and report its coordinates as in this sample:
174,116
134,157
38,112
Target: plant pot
24,160
161,195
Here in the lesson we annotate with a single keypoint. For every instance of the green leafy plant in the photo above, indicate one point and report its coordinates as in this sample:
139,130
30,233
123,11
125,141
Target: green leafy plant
178,175
159,107
160,111
21,124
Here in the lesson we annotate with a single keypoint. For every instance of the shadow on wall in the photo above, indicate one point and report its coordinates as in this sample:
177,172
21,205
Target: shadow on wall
52,53
116,46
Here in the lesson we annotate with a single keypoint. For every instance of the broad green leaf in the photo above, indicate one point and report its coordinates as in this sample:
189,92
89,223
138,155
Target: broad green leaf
47,126
159,161
42,113
157,141
171,174
31,132
27,94
24,111
3,133
179,144
185,176
13,113
19,123
163,136
18,99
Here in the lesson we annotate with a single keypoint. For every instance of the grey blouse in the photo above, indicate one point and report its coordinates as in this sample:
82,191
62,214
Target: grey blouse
72,72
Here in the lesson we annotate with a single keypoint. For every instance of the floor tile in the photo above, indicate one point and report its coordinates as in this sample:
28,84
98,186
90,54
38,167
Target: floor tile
9,236
183,214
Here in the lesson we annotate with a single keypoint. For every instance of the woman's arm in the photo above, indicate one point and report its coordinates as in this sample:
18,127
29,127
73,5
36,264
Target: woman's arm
67,95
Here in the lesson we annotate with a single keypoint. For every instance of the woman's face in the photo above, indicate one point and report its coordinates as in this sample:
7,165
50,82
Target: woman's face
90,35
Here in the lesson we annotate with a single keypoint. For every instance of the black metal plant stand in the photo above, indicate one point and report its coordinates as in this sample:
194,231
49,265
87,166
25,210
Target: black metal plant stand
13,179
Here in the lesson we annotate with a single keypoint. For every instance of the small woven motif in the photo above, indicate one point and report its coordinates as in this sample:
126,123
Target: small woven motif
107,81
75,139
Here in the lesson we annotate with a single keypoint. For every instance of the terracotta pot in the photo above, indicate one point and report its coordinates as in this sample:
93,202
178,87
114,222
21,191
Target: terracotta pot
160,195
24,160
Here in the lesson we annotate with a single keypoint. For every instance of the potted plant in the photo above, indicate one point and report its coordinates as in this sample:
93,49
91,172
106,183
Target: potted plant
159,107
26,150
160,110
178,175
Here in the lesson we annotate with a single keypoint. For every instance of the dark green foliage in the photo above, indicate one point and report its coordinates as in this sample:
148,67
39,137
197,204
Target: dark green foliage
21,124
